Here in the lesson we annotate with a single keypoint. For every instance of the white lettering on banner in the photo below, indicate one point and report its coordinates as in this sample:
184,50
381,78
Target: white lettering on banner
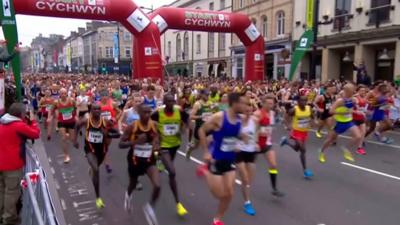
208,23
252,32
161,23
138,20
71,8
6,8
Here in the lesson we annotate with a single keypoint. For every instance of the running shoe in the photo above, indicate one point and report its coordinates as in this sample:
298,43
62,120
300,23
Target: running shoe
387,140
67,159
108,168
308,174
217,222
201,170
180,209
277,193
248,209
347,155
160,165
318,134
150,215
100,203
128,202
284,141
361,151
139,186
322,157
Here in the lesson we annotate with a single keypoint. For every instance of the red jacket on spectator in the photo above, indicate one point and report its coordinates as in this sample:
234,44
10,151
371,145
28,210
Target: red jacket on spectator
13,133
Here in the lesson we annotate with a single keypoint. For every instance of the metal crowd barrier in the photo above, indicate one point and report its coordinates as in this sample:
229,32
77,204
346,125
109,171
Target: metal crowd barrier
37,205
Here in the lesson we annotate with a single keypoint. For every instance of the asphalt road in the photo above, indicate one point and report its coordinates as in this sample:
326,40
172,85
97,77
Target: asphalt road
365,192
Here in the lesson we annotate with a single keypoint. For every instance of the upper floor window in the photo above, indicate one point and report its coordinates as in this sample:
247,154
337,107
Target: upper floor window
380,11
265,26
280,23
185,46
211,7
342,10
222,4
178,47
241,4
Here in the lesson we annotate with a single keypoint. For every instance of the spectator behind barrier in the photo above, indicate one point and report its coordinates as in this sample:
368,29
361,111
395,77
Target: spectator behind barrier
15,128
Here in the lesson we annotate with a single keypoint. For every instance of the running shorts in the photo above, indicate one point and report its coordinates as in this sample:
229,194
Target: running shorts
358,122
324,115
82,114
140,166
340,127
378,115
300,136
246,157
220,167
171,151
265,149
98,153
69,126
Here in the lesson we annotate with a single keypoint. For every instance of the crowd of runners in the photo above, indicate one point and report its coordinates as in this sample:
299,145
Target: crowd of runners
231,122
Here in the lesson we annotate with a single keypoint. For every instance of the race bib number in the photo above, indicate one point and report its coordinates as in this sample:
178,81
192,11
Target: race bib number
143,151
348,115
67,115
106,115
265,131
171,129
328,105
95,137
206,116
49,108
304,123
229,144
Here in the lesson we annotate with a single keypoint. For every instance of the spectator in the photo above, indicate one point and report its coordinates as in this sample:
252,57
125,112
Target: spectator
362,76
15,128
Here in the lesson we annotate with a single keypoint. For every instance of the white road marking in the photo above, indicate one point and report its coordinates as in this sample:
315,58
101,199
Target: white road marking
367,141
52,170
202,163
371,171
64,206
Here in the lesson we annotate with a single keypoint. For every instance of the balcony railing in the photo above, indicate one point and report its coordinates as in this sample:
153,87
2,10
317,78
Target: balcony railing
341,22
380,14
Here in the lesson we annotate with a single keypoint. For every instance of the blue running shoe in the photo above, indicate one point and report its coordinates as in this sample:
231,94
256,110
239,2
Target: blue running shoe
248,209
308,174
284,141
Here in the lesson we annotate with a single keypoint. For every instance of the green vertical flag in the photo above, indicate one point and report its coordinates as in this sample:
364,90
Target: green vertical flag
9,26
304,43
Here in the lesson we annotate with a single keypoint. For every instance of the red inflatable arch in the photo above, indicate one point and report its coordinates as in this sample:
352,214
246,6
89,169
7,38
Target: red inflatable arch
147,36
210,21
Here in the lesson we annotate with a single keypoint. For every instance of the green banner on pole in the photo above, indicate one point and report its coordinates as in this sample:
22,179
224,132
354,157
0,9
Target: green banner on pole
9,26
303,45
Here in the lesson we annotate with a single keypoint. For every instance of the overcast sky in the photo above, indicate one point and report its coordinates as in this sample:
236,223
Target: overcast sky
31,26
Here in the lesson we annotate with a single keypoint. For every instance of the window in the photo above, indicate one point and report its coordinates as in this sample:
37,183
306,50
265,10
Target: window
169,49
221,44
185,53
280,23
198,44
100,53
211,6
265,26
342,9
380,11
239,67
109,52
178,47
241,3
211,44
254,21
128,52
127,36
222,4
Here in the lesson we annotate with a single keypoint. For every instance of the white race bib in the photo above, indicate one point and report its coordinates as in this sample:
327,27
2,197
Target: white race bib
304,123
206,116
95,137
171,129
106,115
328,105
265,130
229,144
143,151
67,115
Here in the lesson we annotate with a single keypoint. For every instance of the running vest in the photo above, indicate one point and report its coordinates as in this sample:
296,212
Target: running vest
225,140
55,95
107,111
142,151
152,103
346,112
301,119
360,109
47,105
95,137
131,116
215,98
66,112
169,128
265,133
250,130
205,112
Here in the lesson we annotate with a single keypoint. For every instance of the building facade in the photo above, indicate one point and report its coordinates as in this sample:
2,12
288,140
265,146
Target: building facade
350,32
190,53
273,18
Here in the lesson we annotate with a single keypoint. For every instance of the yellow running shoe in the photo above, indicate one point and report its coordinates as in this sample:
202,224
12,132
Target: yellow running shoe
99,203
318,134
322,157
180,209
347,155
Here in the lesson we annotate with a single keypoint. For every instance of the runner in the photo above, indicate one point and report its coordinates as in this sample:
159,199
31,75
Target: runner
220,161
46,106
142,139
95,146
359,115
342,111
323,103
65,111
82,101
302,119
149,98
245,159
169,120
265,118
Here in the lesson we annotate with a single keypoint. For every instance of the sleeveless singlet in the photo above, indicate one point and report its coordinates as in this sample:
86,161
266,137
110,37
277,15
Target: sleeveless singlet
250,129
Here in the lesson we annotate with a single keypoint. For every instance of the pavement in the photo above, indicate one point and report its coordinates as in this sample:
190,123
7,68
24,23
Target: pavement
365,192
